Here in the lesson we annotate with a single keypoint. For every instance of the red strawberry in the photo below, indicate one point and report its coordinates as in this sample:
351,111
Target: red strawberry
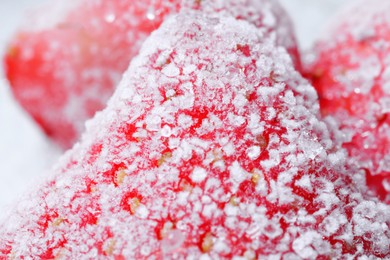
65,73
210,148
351,74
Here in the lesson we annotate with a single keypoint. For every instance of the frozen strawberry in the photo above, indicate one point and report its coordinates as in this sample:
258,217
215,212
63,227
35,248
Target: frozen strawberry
351,72
210,148
62,74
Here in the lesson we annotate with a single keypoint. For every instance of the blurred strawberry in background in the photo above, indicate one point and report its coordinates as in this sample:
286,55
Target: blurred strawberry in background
351,72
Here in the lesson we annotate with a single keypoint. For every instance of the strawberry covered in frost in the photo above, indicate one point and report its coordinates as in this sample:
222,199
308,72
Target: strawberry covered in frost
351,72
65,71
210,148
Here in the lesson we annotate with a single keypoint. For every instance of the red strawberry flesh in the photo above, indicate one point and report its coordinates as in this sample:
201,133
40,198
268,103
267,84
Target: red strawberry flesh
207,150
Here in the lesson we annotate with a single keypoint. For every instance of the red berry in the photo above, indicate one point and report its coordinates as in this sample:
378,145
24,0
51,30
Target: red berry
63,74
210,148
351,73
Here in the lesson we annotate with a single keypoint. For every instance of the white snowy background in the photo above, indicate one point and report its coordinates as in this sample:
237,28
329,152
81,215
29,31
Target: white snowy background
26,154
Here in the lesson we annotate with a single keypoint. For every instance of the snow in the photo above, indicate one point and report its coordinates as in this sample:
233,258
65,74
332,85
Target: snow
27,154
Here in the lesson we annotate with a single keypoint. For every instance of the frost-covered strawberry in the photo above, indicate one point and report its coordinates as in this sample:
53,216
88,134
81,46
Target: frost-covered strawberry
210,148
352,75
65,71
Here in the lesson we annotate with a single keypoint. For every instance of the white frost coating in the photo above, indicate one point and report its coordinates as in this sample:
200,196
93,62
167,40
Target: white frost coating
171,70
333,222
305,182
239,101
198,175
231,210
127,93
367,217
237,173
229,148
182,198
142,211
128,177
253,152
166,131
189,68
209,210
255,125
220,246
185,121
289,98
172,242
303,245
236,120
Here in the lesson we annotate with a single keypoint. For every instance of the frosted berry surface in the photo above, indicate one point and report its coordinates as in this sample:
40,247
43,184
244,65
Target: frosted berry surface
210,148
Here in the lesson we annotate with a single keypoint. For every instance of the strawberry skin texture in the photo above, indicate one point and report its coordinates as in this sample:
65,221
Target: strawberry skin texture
62,74
351,75
210,148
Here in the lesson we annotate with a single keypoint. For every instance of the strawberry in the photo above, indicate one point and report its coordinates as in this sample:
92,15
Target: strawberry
351,73
210,148
62,74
